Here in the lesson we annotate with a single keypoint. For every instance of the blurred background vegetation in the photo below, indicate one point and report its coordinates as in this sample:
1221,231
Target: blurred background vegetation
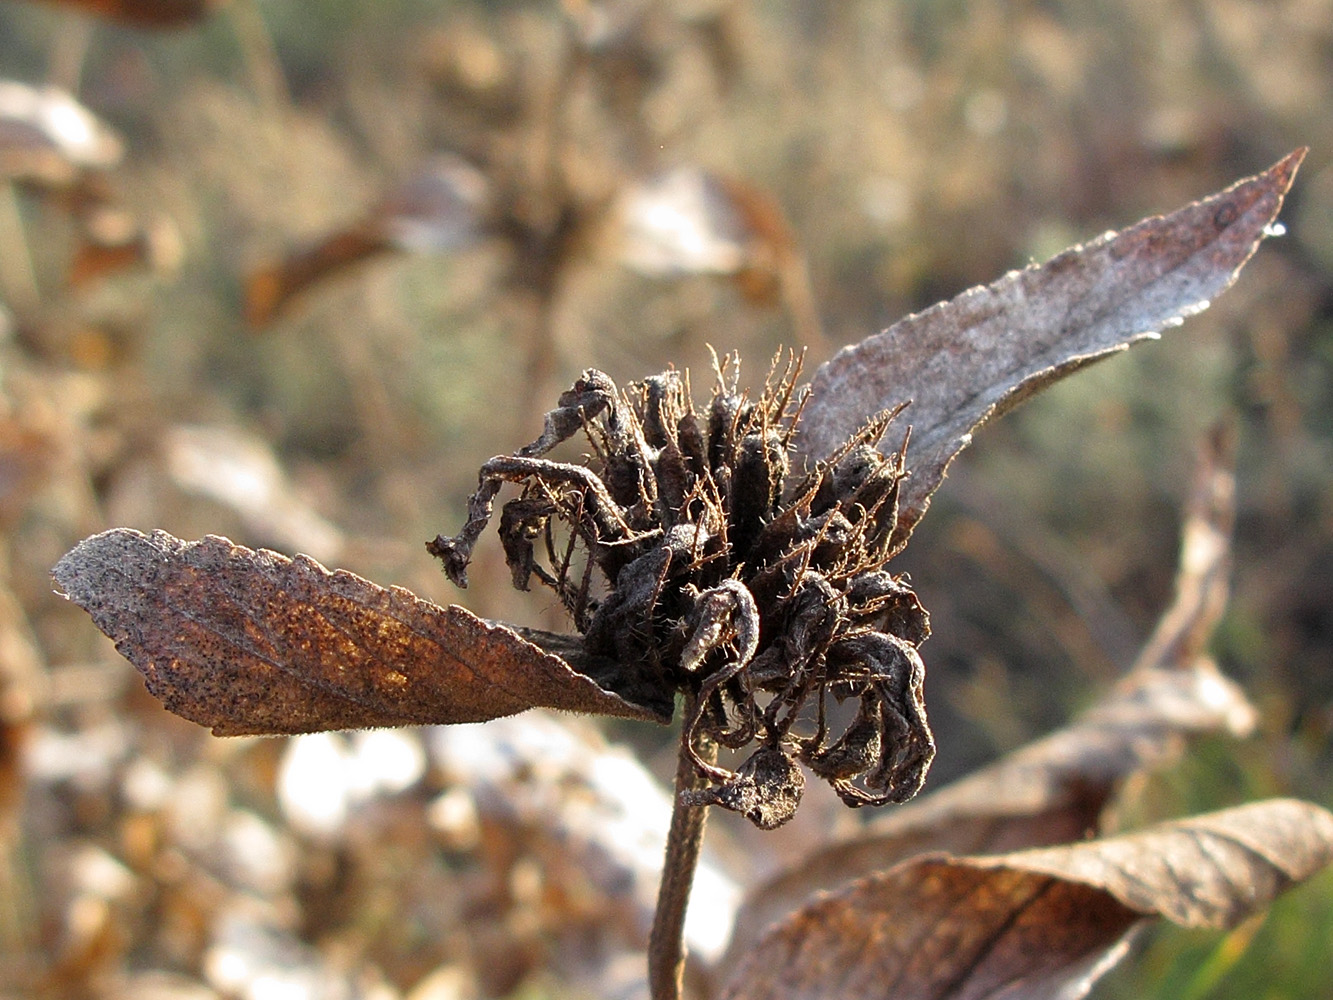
822,170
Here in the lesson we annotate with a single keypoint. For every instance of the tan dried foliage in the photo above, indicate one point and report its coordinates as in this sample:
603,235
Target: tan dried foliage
249,641
145,13
1052,791
1036,924
970,359
253,642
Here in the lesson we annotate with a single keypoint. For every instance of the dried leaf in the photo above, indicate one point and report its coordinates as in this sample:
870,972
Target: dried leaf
270,289
977,356
689,221
145,13
1049,792
1035,924
49,138
441,206
254,642
680,222
112,241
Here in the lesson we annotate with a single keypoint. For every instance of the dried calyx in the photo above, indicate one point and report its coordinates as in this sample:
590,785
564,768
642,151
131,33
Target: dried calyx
687,553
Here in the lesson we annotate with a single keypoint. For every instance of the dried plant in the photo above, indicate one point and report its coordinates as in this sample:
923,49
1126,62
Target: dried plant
737,554
762,596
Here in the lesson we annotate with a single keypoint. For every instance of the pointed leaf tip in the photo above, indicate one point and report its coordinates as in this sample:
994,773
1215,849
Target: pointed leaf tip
978,355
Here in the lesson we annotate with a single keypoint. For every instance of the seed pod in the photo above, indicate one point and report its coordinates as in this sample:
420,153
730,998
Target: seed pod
763,599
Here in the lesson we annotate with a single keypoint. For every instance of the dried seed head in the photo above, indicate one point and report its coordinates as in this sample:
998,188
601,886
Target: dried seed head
762,594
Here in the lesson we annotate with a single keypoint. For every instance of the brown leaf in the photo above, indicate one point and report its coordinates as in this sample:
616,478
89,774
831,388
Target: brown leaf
1036,924
254,642
270,289
1048,792
145,13
440,206
977,356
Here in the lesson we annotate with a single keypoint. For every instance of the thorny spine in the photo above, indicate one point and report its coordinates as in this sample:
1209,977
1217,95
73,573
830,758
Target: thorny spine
755,593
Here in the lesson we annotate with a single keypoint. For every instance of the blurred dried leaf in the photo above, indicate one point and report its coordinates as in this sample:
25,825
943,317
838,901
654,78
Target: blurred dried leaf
1036,924
49,138
689,221
12,737
145,13
593,815
22,677
28,452
241,471
253,642
448,982
113,241
271,289
325,777
977,356
683,221
251,949
438,208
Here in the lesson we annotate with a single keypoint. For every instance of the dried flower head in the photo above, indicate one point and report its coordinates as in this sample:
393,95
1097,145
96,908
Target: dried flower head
688,552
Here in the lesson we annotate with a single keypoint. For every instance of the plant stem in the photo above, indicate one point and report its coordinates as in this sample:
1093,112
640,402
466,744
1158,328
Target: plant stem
666,947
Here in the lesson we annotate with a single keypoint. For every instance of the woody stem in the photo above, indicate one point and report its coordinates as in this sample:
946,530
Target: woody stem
666,948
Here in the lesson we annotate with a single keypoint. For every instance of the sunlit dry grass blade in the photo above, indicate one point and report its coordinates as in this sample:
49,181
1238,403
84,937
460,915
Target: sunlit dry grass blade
977,356
1203,580
254,642
1036,924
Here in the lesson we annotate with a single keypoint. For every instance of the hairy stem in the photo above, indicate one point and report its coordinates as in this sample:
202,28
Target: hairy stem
666,948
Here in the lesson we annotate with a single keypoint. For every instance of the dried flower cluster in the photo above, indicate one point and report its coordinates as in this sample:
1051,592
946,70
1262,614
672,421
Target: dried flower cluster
688,553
